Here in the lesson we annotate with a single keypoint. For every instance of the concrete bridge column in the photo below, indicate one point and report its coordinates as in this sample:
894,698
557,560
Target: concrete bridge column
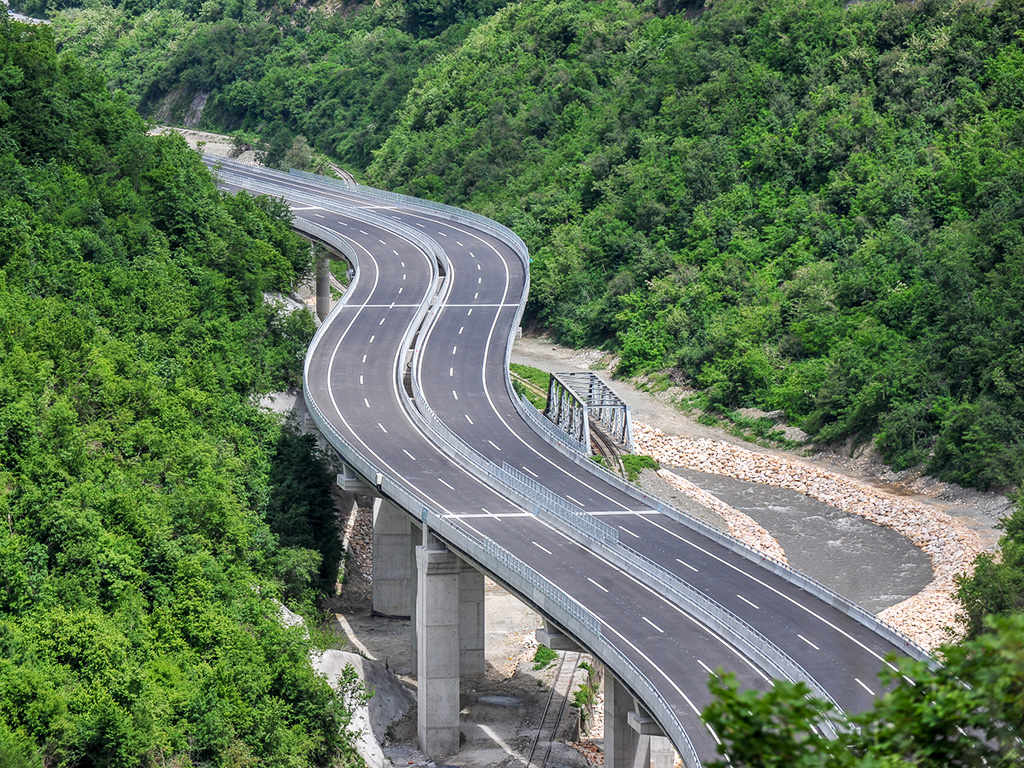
471,621
620,740
437,637
323,282
392,565
654,750
663,754
414,651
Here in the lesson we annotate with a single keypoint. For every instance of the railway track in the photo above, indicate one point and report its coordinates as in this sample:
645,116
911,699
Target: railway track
603,446
554,710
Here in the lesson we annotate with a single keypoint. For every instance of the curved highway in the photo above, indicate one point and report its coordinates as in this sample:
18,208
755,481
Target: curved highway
355,380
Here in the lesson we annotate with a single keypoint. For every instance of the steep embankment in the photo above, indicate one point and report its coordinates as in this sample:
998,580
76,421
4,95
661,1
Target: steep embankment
151,517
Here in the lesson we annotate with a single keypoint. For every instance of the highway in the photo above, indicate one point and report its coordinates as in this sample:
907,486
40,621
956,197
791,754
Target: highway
355,378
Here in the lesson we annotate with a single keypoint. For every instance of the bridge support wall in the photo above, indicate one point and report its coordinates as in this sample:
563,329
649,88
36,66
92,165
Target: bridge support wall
437,639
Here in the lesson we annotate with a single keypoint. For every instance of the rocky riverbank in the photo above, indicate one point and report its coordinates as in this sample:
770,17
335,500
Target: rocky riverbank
950,545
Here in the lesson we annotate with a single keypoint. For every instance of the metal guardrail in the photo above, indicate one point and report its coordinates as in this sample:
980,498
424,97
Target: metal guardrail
795,577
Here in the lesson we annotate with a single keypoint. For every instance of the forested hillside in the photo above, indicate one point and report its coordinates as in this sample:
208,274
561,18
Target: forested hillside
144,538
800,205
794,204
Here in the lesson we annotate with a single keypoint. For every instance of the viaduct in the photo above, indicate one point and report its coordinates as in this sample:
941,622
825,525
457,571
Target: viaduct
407,378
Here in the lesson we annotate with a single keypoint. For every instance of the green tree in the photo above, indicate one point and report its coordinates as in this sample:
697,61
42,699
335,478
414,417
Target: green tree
996,587
966,712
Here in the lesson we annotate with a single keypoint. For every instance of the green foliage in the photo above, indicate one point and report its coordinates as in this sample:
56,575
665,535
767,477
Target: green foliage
583,697
140,576
534,376
806,206
586,695
996,587
531,383
635,463
776,199
300,509
301,83
774,729
966,713
543,657
339,268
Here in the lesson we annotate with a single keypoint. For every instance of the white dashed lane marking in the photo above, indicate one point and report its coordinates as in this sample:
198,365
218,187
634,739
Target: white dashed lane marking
654,625
864,686
808,642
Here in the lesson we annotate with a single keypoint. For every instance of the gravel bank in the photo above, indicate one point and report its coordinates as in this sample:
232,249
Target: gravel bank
950,545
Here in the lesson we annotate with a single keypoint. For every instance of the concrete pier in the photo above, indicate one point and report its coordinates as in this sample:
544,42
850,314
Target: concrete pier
392,564
653,749
414,651
620,740
323,283
437,639
632,738
471,621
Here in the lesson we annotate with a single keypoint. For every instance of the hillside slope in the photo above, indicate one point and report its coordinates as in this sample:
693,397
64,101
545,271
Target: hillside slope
143,550
794,205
